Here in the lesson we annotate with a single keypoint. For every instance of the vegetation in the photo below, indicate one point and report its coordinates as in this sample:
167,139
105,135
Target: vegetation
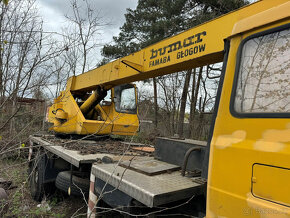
20,203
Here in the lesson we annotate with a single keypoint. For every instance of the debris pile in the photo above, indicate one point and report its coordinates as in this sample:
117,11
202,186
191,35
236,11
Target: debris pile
108,146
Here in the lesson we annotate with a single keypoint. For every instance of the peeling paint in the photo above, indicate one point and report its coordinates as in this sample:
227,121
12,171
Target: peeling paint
273,140
224,141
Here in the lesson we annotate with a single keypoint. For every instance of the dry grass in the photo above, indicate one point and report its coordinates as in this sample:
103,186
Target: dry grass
20,203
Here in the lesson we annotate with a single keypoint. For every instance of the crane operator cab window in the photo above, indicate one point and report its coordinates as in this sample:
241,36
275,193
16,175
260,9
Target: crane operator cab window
125,99
263,79
107,100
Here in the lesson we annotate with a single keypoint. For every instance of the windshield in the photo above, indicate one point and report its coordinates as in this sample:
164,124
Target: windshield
125,99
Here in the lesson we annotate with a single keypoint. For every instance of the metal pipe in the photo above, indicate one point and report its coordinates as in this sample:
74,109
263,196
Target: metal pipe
98,95
186,156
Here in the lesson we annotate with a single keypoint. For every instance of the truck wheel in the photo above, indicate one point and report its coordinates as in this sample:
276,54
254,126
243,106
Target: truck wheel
80,182
36,175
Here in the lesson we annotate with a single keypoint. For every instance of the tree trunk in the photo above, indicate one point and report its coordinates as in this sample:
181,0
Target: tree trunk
193,101
1,61
183,103
191,113
155,102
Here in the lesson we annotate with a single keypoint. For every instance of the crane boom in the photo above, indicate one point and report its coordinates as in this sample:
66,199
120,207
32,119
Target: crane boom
198,46
74,112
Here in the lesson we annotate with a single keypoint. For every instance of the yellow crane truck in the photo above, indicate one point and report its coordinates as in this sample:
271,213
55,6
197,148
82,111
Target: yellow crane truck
244,167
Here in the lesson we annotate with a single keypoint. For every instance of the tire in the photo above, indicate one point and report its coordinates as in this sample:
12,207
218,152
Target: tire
80,182
36,174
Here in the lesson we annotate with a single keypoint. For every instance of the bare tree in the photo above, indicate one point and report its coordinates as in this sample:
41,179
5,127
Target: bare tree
169,98
24,55
195,92
183,102
202,98
155,103
84,26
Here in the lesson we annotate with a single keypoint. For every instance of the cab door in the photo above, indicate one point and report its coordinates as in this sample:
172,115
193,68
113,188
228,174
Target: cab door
249,164
125,120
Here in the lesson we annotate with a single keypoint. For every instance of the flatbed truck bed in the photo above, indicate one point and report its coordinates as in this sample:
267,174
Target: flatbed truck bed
133,175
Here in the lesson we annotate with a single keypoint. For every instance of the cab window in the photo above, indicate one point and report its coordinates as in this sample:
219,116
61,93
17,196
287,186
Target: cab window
263,81
125,99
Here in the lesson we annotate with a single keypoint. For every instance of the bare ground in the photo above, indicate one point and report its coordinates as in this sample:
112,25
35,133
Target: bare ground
20,203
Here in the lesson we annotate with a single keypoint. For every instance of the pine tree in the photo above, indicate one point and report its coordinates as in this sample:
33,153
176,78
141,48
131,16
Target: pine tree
149,23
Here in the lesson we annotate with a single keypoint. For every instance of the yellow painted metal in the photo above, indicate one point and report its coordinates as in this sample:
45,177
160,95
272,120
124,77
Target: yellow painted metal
61,115
240,143
112,122
271,183
273,14
85,107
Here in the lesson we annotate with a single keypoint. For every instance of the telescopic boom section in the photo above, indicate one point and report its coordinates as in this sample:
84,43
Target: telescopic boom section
201,45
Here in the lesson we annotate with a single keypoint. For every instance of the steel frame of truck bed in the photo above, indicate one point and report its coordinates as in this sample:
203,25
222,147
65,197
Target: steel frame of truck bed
149,181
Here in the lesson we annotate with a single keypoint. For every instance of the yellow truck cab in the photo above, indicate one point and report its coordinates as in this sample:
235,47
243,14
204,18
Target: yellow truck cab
249,164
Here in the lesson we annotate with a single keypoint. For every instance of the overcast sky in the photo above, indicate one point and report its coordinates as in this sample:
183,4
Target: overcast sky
113,11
